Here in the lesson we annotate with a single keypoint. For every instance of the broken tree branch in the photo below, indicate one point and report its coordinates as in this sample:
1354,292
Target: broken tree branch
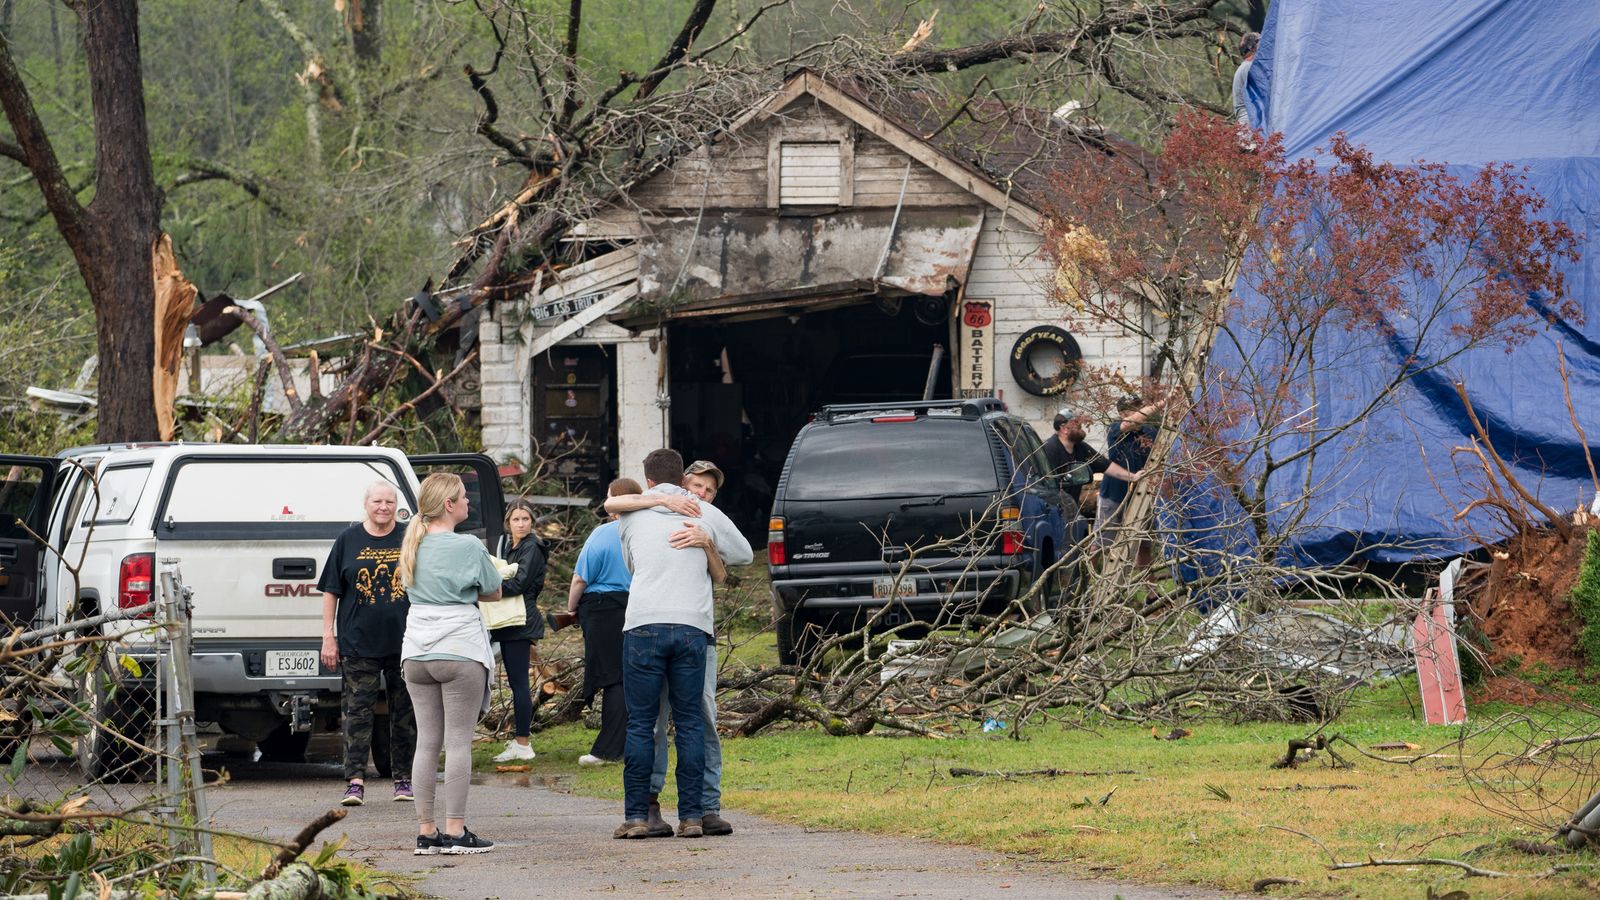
1471,870
280,361
291,851
405,407
1557,521
963,772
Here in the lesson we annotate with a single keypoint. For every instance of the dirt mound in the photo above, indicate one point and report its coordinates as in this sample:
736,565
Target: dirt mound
1525,609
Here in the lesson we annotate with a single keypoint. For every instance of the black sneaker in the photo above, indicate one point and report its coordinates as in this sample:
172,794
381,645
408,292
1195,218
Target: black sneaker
429,844
463,843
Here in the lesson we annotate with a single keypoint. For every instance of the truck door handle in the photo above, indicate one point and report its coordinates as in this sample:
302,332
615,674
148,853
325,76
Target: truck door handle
8,554
294,568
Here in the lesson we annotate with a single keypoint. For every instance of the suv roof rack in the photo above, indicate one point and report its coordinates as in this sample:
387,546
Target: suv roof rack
969,408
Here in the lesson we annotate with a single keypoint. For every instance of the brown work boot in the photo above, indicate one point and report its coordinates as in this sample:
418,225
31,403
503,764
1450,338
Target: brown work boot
658,826
690,828
633,828
715,825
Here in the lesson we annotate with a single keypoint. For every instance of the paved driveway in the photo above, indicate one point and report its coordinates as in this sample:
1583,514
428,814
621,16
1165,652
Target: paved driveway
550,843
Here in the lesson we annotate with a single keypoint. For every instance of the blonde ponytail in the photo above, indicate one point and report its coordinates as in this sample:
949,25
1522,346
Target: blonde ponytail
436,489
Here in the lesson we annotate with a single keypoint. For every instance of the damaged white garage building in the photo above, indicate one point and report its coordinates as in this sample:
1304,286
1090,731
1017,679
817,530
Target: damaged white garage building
822,251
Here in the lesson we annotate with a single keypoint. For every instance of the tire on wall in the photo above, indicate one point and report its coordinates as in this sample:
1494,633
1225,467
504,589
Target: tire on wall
1046,339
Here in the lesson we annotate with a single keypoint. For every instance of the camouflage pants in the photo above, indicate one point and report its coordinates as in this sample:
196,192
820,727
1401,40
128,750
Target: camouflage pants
365,681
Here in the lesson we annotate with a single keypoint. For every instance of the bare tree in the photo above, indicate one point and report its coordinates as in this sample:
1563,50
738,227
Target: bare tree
580,140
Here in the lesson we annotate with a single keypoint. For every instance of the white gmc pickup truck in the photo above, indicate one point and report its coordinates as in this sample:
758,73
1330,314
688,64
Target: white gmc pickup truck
249,527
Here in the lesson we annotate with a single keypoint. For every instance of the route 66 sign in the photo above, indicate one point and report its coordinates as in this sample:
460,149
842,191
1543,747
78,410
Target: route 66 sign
977,314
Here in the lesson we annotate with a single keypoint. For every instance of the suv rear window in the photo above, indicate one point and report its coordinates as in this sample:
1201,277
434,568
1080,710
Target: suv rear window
891,459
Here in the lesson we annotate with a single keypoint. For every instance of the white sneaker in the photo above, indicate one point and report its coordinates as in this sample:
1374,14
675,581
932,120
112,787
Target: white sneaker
515,751
589,759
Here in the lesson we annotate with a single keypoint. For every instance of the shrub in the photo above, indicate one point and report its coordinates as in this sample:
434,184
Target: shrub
1586,599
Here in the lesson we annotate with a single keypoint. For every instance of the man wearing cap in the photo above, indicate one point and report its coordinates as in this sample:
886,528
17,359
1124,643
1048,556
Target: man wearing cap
703,479
1071,458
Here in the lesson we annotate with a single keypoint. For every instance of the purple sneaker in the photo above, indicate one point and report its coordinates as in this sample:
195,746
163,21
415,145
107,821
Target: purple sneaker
402,791
354,795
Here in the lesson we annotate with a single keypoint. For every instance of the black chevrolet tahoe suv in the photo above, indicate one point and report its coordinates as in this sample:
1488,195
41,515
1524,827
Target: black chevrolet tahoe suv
912,512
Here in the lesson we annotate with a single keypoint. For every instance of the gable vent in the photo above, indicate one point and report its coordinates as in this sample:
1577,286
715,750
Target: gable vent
810,173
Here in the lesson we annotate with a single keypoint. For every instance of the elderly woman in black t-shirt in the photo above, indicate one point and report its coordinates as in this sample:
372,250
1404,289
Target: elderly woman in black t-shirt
364,610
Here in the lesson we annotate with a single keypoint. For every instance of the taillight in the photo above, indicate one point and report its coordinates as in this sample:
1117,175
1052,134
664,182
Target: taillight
776,554
136,582
1011,538
894,418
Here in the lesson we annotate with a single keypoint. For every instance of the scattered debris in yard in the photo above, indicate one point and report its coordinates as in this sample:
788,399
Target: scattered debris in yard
1305,749
1086,803
963,772
1176,734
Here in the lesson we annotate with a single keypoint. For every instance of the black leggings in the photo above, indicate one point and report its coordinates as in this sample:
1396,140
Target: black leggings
514,654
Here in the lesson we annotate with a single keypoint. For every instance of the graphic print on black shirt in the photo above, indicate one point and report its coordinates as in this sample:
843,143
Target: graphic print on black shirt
364,573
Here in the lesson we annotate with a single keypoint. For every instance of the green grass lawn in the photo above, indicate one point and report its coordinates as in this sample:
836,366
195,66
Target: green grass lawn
1203,810
1163,819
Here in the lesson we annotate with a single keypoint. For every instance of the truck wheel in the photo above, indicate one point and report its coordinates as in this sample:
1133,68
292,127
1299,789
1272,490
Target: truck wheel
284,745
382,747
121,717
1047,596
15,730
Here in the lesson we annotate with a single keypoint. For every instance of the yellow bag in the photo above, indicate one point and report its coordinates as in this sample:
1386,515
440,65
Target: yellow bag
507,612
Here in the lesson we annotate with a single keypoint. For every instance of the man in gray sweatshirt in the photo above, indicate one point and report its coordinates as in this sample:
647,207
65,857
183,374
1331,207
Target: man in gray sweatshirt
665,633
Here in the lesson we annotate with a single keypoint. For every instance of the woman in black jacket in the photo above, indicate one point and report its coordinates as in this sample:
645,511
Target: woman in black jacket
516,641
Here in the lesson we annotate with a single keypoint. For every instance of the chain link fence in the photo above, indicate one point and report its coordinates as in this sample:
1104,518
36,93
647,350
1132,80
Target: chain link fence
98,741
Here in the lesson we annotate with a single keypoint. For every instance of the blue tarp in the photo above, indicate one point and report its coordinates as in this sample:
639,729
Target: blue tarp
1464,83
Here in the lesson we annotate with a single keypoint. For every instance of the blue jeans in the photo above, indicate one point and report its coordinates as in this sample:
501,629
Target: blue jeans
711,799
659,659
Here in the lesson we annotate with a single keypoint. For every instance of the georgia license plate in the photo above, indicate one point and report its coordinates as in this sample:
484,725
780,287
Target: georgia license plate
291,663
884,587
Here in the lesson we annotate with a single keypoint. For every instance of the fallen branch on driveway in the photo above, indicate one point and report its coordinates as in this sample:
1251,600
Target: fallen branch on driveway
301,841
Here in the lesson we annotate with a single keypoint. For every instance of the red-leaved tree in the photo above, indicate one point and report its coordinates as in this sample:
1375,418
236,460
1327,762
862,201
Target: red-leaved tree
1293,303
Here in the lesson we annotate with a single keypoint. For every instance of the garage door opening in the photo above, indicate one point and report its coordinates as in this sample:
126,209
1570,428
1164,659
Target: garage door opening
780,370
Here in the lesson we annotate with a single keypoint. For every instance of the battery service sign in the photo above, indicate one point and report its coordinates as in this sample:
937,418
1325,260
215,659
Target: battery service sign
976,347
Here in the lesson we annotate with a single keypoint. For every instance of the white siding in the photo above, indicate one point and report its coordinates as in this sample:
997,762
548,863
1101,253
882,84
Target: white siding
1010,268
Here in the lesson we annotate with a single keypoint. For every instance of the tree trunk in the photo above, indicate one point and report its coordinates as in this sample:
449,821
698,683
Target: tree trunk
365,18
112,238
125,221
